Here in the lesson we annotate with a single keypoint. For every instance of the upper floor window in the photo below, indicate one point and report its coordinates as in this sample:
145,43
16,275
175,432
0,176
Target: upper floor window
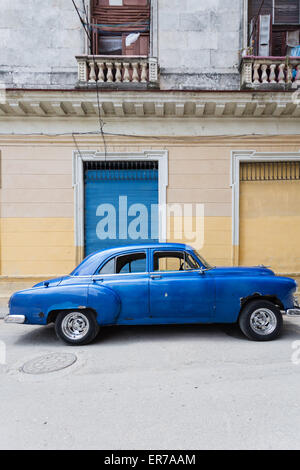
120,27
274,27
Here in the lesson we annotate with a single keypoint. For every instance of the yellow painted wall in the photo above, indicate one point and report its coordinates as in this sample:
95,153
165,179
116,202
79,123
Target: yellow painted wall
37,246
270,224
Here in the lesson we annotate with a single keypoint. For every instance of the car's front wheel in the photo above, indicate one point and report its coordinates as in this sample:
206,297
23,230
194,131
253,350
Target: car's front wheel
76,327
261,320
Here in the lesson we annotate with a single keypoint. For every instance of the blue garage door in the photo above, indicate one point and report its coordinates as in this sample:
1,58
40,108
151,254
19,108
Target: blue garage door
121,204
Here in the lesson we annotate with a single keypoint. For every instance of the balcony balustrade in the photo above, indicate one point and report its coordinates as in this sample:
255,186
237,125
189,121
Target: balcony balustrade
270,72
117,70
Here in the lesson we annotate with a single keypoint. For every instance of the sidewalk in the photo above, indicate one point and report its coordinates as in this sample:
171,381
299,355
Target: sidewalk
3,312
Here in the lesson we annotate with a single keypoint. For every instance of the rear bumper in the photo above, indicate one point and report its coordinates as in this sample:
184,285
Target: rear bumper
15,319
293,312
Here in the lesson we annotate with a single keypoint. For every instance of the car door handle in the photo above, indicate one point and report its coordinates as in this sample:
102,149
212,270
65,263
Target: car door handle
155,276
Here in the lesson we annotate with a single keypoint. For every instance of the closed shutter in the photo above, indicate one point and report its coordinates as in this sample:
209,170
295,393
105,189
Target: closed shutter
278,42
286,12
254,8
269,215
265,27
117,194
137,3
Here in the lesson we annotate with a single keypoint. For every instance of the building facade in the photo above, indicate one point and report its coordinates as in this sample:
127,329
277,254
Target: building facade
138,120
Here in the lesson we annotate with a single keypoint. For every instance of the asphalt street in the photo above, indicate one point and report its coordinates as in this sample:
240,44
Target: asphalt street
161,387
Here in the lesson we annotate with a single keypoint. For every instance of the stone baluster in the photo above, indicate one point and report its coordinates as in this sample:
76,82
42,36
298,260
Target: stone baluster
297,78
126,76
281,76
289,74
118,66
109,77
264,75
144,72
135,72
272,77
93,76
101,76
256,67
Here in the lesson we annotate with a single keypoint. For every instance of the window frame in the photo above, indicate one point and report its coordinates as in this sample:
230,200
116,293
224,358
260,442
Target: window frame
97,273
276,30
153,271
152,33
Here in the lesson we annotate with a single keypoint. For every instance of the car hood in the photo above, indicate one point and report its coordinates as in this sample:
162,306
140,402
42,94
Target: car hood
243,271
51,282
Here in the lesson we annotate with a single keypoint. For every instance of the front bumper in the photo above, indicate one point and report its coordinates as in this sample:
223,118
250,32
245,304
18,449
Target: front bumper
15,319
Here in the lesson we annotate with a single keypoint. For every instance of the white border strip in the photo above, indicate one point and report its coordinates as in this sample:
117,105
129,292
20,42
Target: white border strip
161,156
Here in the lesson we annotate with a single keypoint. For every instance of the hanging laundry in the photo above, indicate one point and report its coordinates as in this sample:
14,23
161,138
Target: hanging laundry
131,38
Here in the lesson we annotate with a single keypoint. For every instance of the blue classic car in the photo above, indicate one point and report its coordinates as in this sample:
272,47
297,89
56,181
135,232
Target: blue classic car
156,284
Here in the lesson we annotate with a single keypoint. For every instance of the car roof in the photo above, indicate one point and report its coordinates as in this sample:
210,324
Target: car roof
91,263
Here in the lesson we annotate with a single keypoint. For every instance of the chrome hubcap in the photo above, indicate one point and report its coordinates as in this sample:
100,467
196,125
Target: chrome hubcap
75,325
263,321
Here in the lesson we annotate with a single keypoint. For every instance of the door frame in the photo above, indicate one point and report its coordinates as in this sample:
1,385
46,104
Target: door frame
238,157
79,158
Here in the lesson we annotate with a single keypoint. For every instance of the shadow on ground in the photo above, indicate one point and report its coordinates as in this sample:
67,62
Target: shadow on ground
46,336
131,334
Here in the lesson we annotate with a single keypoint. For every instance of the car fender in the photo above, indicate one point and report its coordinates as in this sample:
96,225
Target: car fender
231,293
106,303
38,302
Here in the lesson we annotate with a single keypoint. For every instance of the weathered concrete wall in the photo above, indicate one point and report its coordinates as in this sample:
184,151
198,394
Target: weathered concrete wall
38,43
199,42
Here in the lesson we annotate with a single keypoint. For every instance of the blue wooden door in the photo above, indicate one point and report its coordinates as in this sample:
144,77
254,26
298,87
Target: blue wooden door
121,204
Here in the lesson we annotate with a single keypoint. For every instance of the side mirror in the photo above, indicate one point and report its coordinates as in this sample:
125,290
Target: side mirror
202,271
46,283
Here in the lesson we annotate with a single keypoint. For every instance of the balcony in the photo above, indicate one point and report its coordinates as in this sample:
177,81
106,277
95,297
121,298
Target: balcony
122,72
270,73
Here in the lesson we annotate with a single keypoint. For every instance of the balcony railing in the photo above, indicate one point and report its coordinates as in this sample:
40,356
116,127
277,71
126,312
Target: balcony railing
118,70
270,72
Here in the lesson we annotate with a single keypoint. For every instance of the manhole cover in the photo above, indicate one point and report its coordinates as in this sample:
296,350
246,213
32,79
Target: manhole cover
49,363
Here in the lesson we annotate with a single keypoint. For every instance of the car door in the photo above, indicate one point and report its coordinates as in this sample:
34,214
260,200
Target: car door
180,292
127,274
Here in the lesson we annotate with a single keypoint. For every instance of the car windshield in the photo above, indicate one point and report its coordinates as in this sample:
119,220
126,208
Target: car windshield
202,260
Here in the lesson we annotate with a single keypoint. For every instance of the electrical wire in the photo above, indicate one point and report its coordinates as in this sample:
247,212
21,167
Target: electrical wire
101,122
116,134
255,21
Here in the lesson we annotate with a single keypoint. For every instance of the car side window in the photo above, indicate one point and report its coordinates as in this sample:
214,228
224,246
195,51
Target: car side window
108,268
174,261
133,263
125,264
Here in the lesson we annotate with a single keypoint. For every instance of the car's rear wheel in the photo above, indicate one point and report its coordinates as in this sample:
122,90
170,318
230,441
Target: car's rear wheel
261,320
76,327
